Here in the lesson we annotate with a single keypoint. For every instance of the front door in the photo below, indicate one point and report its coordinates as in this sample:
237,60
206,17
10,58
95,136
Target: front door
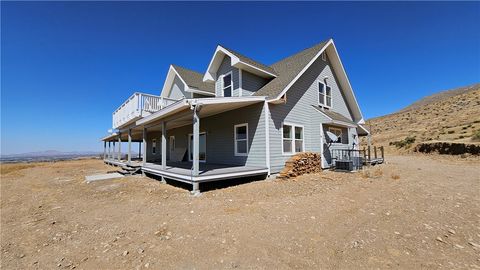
202,147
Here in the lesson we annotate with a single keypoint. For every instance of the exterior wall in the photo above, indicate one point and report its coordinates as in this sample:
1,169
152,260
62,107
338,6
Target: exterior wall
251,83
225,68
178,89
158,151
298,110
220,137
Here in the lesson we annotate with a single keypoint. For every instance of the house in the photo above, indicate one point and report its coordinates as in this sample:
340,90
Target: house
240,118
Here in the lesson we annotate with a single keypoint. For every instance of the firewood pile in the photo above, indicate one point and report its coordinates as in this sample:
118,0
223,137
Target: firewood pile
302,163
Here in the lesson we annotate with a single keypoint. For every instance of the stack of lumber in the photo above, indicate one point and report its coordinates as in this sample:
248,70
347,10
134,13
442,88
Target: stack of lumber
302,163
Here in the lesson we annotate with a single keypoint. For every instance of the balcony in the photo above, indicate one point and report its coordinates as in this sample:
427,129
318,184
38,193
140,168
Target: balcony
137,106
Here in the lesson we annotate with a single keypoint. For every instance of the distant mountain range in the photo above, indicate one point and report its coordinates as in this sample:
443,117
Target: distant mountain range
52,153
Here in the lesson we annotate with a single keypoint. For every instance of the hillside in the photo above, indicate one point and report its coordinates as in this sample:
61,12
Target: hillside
452,116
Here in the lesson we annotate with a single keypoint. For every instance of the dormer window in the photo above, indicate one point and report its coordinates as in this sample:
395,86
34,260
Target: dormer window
324,95
227,85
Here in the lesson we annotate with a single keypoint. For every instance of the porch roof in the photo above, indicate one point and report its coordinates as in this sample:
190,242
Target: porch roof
336,118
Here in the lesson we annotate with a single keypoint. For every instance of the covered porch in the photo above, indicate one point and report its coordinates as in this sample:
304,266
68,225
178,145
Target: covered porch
183,171
180,124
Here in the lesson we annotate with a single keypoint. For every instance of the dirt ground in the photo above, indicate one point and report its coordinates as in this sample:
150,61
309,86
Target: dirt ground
415,212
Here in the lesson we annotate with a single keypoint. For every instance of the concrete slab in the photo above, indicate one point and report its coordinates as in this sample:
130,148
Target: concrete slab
106,176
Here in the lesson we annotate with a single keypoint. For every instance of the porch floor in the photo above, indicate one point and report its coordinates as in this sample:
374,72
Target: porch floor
181,171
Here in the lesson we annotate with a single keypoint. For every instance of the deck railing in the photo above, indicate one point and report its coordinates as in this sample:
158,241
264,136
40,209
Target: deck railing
137,105
359,157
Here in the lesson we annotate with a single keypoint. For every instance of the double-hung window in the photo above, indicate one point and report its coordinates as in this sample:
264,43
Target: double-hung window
241,139
292,139
227,85
324,95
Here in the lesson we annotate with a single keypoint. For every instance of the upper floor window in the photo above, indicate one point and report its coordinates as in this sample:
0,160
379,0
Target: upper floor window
292,139
227,85
241,139
324,95
324,56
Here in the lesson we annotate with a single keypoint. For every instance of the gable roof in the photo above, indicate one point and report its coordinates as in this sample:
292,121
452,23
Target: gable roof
287,69
290,69
250,61
193,81
239,61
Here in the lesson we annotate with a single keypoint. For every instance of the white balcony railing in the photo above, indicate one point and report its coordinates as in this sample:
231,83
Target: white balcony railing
139,105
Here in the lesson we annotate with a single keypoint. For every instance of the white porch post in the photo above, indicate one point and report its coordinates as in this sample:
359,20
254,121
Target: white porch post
109,150
266,113
119,147
196,138
129,146
144,146
104,150
164,145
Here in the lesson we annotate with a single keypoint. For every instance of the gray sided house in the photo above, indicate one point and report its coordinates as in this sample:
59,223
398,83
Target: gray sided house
240,118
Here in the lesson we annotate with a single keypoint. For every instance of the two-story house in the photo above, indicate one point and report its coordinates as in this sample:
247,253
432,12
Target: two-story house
241,117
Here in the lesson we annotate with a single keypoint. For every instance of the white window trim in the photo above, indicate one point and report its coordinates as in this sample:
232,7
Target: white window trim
231,83
324,56
341,134
324,95
235,140
293,138
154,146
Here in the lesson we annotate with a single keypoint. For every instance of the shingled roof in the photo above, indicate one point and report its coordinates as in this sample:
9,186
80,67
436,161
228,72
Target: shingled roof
250,61
287,69
334,115
194,79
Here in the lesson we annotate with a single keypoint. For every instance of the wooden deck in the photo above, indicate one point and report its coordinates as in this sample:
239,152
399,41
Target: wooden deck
181,171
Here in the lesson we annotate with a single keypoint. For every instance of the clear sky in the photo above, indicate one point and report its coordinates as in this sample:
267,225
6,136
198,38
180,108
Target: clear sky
65,67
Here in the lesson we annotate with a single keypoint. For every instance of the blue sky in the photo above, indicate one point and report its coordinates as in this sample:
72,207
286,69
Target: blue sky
65,67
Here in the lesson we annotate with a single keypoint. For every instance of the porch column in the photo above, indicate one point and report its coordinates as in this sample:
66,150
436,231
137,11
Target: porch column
139,150
196,139
104,150
144,146
109,150
164,145
113,150
119,147
129,146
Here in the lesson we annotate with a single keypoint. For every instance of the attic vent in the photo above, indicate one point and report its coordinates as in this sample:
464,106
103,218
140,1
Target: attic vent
324,56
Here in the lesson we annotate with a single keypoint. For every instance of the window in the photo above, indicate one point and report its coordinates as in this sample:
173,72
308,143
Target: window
172,144
298,139
292,139
324,95
324,56
337,132
227,85
241,139
154,146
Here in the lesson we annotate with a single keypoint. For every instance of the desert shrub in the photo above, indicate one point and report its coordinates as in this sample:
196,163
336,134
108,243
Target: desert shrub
395,176
404,143
461,137
476,135
464,127
476,121
451,131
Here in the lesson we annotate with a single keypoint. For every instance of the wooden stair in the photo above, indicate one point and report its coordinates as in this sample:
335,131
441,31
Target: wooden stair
129,170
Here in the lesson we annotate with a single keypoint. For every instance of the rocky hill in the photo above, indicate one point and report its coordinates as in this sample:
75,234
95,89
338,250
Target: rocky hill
448,116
